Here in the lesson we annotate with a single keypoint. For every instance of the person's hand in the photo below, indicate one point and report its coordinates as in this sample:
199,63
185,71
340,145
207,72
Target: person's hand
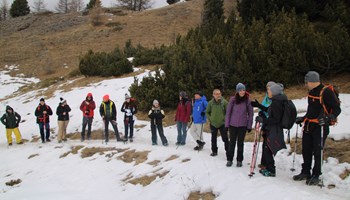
299,120
325,120
259,119
64,113
44,112
255,103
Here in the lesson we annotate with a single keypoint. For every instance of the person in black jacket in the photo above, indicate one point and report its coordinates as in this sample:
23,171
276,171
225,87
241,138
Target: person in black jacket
157,114
272,129
108,113
42,113
11,120
130,109
62,111
314,120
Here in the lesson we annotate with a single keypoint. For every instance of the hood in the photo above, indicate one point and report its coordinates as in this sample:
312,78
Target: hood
203,98
89,95
9,108
280,97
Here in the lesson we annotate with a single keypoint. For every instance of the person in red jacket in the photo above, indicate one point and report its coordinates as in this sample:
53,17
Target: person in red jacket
87,107
42,113
182,117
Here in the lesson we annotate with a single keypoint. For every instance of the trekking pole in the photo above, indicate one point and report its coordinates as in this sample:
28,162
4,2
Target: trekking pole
103,131
253,161
321,183
295,147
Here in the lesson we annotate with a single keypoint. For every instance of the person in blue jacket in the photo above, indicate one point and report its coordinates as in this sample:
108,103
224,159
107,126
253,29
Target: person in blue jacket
198,114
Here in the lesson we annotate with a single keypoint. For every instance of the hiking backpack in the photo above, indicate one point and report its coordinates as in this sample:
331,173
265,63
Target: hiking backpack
335,91
289,114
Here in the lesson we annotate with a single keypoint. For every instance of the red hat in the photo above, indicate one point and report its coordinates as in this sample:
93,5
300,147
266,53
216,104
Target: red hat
89,94
106,97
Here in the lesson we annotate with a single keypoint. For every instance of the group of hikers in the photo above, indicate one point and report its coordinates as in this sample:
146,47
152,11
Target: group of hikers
233,119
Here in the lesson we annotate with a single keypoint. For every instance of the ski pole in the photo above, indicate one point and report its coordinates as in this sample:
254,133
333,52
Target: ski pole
321,184
295,147
252,163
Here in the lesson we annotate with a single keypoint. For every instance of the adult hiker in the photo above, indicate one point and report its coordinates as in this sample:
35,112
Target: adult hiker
62,112
323,107
238,120
272,130
198,114
182,117
108,113
11,120
215,112
42,113
156,114
87,107
130,109
266,102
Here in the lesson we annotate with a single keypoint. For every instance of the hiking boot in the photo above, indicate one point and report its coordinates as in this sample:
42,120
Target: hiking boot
42,141
82,139
20,142
65,140
131,139
313,180
154,143
48,140
10,144
267,173
165,144
213,154
239,164
182,143
120,140
229,164
178,143
196,148
201,145
89,138
301,177
59,141
261,166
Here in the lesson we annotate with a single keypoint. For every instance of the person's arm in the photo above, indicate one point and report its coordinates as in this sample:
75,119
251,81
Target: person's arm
250,112
276,114
102,111
92,105
122,109
83,106
3,121
18,118
228,112
49,111
208,110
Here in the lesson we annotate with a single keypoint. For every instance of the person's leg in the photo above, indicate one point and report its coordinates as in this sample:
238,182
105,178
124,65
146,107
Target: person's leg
85,121
131,126
65,130
126,129
41,128
231,149
179,132
316,149
116,131
106,123
214,135
184,133
17,135
195,132
60,130
89,123
9,135
224,137
307,147
270,163
154,134
47,128
240,143
161,135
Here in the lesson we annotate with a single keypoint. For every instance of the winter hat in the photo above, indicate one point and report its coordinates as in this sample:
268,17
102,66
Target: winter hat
89,94
62,100
155,102
199,93
240,87
270,83
42,99
127,96
276,89
280,84
106,97
183,94
312,76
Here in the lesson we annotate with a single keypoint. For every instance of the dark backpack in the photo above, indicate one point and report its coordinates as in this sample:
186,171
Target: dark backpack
289,114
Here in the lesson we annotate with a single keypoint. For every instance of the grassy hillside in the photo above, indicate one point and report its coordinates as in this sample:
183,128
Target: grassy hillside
49,45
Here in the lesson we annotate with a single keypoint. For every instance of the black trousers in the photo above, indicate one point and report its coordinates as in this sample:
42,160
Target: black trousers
311,144
154,128
237,134
267,158
214,136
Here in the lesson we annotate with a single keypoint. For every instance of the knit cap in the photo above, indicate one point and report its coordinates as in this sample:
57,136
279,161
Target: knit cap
312,76
240,86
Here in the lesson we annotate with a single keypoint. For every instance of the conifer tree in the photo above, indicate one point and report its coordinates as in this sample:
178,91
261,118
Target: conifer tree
19,8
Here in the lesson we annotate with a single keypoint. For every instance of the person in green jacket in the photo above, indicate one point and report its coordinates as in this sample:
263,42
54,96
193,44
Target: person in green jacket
216,111
11,120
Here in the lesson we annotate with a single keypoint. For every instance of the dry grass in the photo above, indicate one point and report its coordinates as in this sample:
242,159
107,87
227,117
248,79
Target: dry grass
172,157
198,196
74,150
154,163
13,182
35,139
95,135
133,155
186,160
88,152
345,174
33,155
147,180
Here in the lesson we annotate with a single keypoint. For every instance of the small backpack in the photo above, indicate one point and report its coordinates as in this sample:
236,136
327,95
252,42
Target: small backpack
289,114
335,91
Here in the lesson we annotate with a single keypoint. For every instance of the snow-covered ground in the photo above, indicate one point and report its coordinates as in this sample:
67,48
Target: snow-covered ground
47,176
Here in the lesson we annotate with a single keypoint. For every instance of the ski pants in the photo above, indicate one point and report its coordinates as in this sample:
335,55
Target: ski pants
62,130
115,128
197,132
214,135
16,132
44,127
154,128
237,134
86,121
181,132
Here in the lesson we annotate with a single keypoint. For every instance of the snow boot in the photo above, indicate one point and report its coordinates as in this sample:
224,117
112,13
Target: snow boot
313,180
214,154
301,177
239,164
229,164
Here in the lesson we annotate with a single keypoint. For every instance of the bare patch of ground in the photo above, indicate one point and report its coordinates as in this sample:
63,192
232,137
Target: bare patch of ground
33,155
74,150
133,155
172,157
88,152
154,163
147,180
201,196
13,182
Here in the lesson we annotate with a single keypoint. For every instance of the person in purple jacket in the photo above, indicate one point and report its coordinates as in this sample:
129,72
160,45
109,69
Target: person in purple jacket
238,120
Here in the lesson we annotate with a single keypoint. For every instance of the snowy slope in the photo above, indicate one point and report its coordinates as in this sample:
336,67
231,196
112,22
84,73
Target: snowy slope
47,176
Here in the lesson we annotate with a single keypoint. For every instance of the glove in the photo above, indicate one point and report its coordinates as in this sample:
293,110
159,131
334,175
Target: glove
249,130
299,120
325,120
255,103
259,119
261,114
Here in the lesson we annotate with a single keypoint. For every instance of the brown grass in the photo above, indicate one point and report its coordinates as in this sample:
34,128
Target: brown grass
186,160
35,139
74,150
203,196
133,155
172,157
147,180
13,182
88,152
345,174
95,135
33,155
154,163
